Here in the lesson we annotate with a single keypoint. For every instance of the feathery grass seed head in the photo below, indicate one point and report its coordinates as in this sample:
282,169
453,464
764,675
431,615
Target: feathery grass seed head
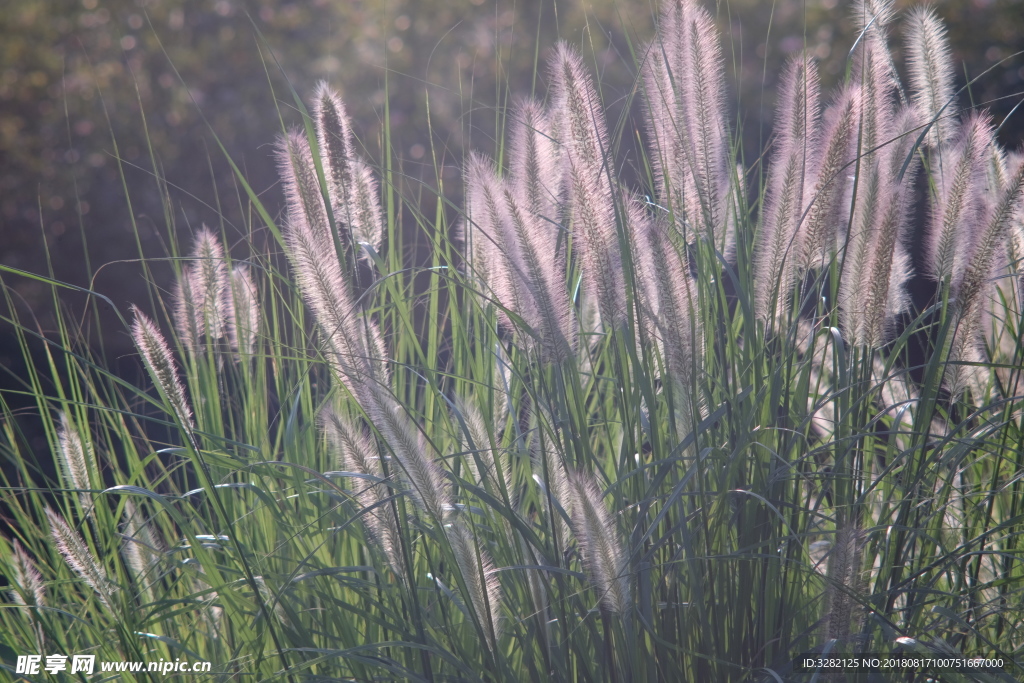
587,169
160,363
27,583
78,558
930,65
477,571
244,312
603,555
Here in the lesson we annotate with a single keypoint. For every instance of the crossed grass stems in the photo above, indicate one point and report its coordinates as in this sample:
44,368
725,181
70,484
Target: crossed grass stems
673,436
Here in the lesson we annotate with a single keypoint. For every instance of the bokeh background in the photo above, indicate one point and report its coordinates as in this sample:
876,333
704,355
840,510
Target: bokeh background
100,98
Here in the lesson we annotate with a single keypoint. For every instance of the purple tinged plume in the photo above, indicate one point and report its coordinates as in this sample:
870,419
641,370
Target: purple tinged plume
687,126
592,207
789,188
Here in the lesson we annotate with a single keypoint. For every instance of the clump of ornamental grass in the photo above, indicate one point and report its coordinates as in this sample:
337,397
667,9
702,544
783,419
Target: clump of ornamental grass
672,430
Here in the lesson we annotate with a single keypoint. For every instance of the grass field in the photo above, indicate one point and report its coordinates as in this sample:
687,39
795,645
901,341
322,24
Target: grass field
681,431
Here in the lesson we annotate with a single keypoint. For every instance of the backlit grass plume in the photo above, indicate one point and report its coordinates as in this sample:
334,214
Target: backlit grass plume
516,249
930,66
978,276
78,557
141,549
26,582
318,270
670,308
789,187
427,483
550,473
77,459
536,172
502,256
26,589
603,555
477,571
485,463
356,453
960,203
844,582
243,312
351,187
875,266
820,228
160,364
884,272
593,217
201,296
685,100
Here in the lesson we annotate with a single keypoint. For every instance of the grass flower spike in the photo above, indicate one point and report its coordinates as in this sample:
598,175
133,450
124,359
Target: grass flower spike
159,360
593,212
243,312
685,100
789,183
78,558
931,74
27,586
603,556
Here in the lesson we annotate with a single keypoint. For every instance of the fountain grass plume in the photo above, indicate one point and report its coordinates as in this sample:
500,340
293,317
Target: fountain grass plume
685,101
479,229
930,67
212,277
477,440
76,459
243,312
356,453
27,587
977,280
542,273
187,317
140,549
334,139
535,205
351,186
202,292
844,583
477,571
525,271
704,88
77,556
875,266
368,227
882,292
603,555
536,171
788,189
959,206
159,362
318,271
819,230
352,448
490,219
550,471
593,217
669,304
427,484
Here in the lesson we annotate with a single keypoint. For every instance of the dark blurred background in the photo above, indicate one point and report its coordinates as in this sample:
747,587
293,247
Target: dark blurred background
99,97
